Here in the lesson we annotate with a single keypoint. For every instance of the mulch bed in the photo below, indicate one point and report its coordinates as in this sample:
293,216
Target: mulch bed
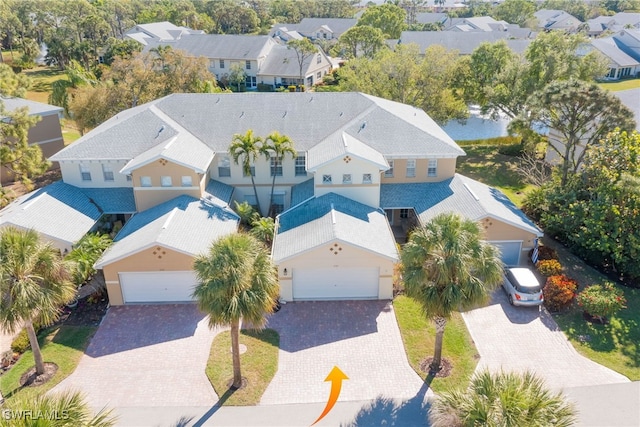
594,319
30,379
88,312
445,367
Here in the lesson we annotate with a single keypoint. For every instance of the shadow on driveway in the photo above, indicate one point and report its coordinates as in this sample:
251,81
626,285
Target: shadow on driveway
308,324
134,326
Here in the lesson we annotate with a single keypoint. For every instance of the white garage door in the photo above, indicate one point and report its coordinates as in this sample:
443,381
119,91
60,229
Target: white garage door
510,252
160,286
335,283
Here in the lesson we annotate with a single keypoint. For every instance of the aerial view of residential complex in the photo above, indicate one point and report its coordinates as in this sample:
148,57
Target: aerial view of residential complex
319,212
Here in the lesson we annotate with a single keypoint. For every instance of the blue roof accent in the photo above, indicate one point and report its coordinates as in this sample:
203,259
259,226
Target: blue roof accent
318,207
301,192
219,191
112,200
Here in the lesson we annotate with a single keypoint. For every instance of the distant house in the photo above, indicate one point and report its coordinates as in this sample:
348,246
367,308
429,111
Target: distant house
47,133
261,58
478,23
617,22
463,42
158,31
552,19
314,28
431,18
623,52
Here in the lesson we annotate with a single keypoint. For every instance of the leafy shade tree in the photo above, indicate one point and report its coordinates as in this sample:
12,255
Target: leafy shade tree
580,114
515,11
387,17
447,267
245,150
405,76
237,77
237,281
61,89
72,404
361,40
276,147
502,399
12,84
34,283
120,48
304,50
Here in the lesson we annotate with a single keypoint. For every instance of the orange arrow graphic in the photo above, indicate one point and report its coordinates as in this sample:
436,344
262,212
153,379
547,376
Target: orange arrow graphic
335,376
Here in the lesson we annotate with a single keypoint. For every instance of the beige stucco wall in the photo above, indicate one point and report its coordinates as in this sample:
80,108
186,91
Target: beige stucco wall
496,230
349,256
72,176
164,259
446,169
369,194
147,197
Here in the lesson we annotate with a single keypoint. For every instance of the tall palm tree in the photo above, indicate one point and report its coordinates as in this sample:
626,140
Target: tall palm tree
245,149
503,399
34,283
447,267
70,407
236,281
277,146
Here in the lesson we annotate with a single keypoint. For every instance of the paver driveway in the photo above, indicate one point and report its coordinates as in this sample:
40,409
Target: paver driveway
360,337
147,355
521,338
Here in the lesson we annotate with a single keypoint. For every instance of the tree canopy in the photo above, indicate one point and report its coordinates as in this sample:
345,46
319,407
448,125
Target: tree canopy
387,17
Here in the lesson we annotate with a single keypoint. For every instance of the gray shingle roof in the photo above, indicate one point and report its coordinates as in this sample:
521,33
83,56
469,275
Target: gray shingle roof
283,62
12,104
59,210
220,46
341,144
610,48
631,98
464,42
333,217
472,199
184,224
308,25
391,128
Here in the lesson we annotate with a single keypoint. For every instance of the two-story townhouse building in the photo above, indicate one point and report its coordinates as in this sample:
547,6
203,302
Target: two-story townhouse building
366,170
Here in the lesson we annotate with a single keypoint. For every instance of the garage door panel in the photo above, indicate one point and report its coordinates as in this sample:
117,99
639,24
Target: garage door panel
159,286
335,283
510,252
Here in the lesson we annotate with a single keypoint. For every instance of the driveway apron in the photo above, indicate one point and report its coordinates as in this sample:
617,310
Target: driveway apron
359,337
527,338
147,355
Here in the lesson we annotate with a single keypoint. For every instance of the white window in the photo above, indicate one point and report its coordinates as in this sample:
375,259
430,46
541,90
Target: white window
278,203
366,178
252,170
411,168
346,178
432,170
129,178
389,172
165,181
222,63
319,75
247,65
326,179
186,181
145,181
212,64
404,213
107,172
224,166
85,172
300,166
276,166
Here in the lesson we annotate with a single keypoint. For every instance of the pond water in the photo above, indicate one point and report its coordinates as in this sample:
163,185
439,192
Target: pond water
477,127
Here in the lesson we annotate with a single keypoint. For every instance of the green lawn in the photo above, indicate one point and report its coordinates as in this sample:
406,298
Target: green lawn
622,85
64,346
259,364
487,165
616,345
418,336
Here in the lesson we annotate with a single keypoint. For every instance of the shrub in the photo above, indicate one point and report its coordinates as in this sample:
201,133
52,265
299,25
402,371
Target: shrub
513,150
20,343
559,291
545,253
549,267
602,300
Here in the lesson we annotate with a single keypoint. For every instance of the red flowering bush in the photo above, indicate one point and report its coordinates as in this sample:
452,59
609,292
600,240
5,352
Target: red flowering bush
559,291
602,300
549,267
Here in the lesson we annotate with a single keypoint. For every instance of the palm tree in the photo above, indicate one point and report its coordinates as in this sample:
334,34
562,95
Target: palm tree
85,254
71,407
236,281
34,283
503,399
447,267
277,146
264,229
246,149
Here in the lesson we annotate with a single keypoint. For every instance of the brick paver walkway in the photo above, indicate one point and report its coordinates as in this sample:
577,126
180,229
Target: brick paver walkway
521,338
147,355
360,337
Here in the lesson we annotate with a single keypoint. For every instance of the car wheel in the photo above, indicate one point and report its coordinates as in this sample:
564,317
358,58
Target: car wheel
510,299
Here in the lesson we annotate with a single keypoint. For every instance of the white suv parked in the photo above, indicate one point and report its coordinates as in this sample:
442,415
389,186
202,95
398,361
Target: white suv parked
522,287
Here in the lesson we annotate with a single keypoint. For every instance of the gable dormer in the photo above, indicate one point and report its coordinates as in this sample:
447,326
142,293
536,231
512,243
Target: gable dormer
344,165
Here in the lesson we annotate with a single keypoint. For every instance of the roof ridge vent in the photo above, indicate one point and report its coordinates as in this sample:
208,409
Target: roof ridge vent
169,218
35,199
170,142
333,215
471,191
